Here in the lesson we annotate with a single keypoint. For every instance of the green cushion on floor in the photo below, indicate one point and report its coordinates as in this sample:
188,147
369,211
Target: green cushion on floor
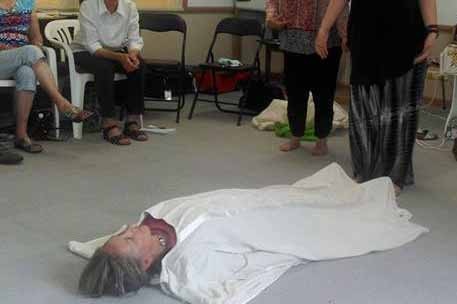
283,130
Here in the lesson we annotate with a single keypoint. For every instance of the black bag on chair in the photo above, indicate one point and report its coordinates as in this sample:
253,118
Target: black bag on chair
259,94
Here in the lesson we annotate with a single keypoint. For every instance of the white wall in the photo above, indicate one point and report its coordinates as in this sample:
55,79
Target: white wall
447,12
210,3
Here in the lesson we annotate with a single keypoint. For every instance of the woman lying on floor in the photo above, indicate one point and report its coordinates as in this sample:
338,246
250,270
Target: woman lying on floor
227,246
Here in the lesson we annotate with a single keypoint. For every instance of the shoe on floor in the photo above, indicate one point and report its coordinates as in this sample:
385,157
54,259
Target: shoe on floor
25,144
10,158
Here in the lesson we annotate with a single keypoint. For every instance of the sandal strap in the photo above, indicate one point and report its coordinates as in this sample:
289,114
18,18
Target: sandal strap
116,139
135,133
108,129
77,115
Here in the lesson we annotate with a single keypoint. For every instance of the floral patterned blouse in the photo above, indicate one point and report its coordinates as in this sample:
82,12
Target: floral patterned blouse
303,18
15,24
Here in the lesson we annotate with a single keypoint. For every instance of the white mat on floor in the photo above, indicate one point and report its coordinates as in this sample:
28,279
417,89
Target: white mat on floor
234,243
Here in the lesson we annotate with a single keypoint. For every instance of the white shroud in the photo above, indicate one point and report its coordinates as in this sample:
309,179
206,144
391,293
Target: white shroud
234,243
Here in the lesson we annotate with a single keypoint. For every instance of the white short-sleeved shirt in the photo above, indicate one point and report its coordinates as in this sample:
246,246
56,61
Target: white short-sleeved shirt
101,29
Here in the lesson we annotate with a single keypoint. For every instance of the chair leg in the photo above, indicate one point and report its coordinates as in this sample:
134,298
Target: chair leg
77,92
240,113
443,91
192,108
178,109
57,121
215,92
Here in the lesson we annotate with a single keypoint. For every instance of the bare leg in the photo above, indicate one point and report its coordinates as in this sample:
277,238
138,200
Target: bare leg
24,102
47,82
320,148
292,144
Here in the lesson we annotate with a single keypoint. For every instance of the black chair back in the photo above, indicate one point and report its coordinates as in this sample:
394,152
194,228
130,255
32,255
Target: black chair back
239,27
162,23
166,23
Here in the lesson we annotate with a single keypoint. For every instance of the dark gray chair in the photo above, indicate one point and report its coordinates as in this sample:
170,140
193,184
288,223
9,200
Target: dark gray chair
167,69
234,26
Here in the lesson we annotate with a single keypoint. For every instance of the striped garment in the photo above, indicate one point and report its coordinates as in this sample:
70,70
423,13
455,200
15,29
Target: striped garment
15,24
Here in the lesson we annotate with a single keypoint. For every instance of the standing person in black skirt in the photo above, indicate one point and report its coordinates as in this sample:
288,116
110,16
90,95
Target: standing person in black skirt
298,22
390,42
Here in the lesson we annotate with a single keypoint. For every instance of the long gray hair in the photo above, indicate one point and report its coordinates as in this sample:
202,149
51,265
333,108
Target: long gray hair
107,274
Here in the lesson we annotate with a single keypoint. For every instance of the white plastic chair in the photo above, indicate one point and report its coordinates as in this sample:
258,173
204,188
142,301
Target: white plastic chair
52,62
61,33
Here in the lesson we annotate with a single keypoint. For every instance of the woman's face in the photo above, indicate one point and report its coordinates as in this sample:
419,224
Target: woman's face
136,242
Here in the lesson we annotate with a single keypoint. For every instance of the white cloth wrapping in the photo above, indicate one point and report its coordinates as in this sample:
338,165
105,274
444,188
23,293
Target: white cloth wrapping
277,112
234,243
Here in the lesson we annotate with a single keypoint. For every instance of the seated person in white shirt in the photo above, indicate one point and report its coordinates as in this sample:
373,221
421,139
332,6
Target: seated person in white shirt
109,42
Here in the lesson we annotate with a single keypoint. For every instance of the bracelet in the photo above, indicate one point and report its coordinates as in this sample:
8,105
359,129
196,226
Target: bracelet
432,28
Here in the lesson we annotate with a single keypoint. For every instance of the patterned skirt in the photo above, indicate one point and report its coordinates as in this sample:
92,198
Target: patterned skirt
383,122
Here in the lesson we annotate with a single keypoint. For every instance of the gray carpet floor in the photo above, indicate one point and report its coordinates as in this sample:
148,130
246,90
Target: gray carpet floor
83,189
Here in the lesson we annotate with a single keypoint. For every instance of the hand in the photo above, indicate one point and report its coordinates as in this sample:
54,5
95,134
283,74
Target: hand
427,50
127,63
321,43
135,56
275,24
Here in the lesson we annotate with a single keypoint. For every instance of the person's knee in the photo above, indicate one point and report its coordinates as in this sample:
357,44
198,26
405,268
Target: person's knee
30,54
25,79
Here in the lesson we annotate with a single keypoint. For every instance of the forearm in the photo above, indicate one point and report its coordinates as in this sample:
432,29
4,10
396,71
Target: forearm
334,10
34,30
108,54
342,22
428,9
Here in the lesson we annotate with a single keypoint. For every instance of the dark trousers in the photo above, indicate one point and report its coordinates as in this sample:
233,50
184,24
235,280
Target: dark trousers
309,73
104,70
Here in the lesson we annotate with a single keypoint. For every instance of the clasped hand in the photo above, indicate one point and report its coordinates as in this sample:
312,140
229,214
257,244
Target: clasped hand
130,61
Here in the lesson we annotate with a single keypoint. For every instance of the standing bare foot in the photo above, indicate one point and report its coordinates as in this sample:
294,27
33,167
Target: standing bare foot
292,144
320,148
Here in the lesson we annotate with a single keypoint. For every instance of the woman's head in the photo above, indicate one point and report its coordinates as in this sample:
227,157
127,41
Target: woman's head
124,264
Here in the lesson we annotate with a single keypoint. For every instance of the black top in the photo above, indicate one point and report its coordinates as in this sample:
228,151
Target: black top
384,37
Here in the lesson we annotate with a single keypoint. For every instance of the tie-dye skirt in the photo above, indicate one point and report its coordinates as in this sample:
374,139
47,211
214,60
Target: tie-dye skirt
383,121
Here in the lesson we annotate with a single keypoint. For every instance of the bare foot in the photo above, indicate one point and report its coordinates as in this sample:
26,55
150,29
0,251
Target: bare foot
290,145
397,190
320,148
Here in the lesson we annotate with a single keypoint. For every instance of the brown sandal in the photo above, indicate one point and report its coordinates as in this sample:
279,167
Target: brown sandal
136,133
116,139
77,115
28,146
